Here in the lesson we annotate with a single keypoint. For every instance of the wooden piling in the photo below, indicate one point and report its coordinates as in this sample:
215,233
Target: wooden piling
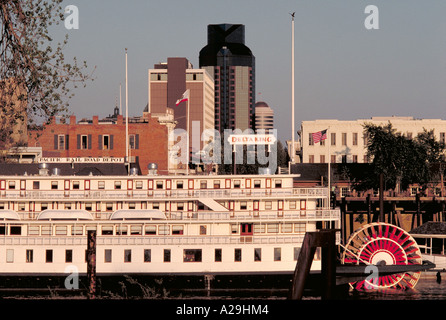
312,240
91,264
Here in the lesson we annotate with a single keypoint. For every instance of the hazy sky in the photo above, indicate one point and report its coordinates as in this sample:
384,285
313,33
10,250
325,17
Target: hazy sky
343,70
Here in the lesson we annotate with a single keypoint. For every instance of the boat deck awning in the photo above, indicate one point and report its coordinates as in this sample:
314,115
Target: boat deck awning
9,215
138,215
65,215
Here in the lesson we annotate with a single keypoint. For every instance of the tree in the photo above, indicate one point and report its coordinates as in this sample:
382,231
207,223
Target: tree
401,160
35,78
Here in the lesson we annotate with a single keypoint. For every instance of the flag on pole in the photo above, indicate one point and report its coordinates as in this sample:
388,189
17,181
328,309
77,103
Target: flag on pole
185,97
319,136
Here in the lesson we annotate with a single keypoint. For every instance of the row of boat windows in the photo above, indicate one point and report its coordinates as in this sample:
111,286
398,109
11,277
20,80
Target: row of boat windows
140,184
167,206
162,229
189,255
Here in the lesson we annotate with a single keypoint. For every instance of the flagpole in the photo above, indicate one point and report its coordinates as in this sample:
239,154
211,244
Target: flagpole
126,114
188,137
293,151
329,166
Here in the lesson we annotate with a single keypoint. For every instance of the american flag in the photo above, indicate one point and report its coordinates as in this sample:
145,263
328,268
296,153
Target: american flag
319,136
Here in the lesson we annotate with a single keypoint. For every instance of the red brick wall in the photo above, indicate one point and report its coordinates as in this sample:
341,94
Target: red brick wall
152,141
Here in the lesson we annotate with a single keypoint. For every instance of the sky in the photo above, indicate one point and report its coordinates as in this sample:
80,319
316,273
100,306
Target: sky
342,69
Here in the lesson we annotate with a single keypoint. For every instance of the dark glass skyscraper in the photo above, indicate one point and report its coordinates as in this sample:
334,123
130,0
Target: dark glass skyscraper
232,65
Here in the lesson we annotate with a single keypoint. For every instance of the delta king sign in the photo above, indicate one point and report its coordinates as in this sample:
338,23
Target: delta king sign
251,139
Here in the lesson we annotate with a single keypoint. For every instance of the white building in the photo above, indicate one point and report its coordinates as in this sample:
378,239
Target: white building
345,141
264,116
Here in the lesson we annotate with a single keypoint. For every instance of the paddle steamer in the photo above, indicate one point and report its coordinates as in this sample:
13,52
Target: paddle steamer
156,225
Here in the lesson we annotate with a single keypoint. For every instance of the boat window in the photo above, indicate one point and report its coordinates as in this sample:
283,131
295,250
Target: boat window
192,255
61,230
277,254
278,183
68,255
107,255
29,256
11,184
257,184
164,230
179,184
107,230
167,255
9,255
273,227
258,254
299,228
54,185
138,184
216,184
203,230
159,184
296,253
287,227
46,230
218,255
259,228
76,185
150,230
36,185
136,229
121,230
33,230
128,255
236,184
117,185
147,255
237,255
49,256
77,230
101,184
177,229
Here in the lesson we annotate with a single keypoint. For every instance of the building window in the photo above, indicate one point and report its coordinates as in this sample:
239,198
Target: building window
344,139
333,139
29,256
134,141
442,137
333,159
61,142
344,158
322,158
218,255
192,255
258,254
311,158
49,256
84,142
106,142
355,139
238,255
355,159
107,255
147,255
310,139
128,255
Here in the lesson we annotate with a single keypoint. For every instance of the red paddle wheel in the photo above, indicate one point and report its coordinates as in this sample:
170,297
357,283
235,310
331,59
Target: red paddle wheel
383,244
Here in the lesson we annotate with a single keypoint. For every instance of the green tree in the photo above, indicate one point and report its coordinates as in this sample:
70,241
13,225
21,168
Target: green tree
33,70
401,160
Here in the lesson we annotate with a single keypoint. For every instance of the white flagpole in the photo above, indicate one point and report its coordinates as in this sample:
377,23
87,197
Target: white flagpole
293,151
126,114
188,136
329,166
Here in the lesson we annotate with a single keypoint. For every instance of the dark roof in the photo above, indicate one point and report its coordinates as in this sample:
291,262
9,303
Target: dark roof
430,228
77,169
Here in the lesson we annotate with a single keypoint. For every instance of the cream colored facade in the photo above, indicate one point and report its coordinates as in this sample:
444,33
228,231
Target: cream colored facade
345,140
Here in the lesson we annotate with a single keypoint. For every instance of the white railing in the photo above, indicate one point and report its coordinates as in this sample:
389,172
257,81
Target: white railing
152,240
161,194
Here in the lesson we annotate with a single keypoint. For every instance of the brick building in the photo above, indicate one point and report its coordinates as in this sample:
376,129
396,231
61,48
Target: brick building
148,140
